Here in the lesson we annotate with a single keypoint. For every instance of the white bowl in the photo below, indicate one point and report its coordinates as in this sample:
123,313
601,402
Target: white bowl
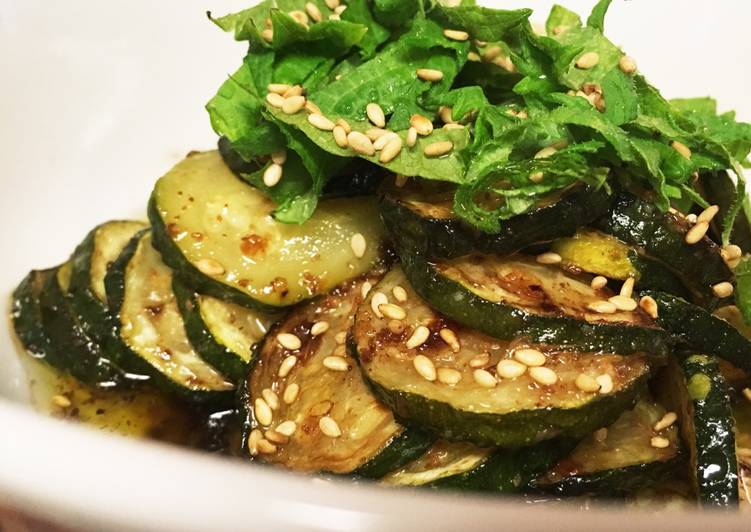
100,98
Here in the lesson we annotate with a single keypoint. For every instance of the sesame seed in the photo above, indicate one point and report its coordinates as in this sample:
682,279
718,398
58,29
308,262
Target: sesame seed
288,428
429,74
623,303
262,412
474,57
400,294
697,232
340,137
384,139
255,436
358,245
536,177
312,108
437,149
691,218
708,213
588,60
456,35
275,100
366,288
291,393
453,126
422,124
279,156
667,420
484,378
446,114
275,437
286,366
681,148
266,447
723,289
271,398
267,35
731,252
602,307
480,44
510,369
649,305
342,123
480,361
659,443
586,383
319,328
424,366
419,337
340,338
449,336
598,282
278,88
293,104
400,180
339,10
375,114
627,65
300,16
600,435
374,133
747,393
411,137
61,401
627,289
210,267
294,90
329,427
321,409
335,363
505,63
391,150
392,312
319,121
549,258
546,152
360,143
332,4
606,383
312,10
530,357
449,376
396,326
544,376
490,54
289,341
272,175
378,299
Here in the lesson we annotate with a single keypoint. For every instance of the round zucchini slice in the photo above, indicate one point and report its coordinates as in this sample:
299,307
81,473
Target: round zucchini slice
219,235
479,407
621,458
298,399
149,324
516,297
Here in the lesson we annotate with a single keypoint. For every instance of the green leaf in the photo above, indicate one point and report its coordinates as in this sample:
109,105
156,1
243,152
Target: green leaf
397,13
596,19
561,20
743,288
481,22
358,11
621,101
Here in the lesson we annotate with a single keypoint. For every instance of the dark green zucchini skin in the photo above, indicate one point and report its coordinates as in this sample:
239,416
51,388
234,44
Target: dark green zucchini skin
654,275
408,446
506,322
702,330
640,223
444,239
718,189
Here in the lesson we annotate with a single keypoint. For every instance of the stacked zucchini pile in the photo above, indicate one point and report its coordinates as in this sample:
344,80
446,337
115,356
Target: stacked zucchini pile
574,352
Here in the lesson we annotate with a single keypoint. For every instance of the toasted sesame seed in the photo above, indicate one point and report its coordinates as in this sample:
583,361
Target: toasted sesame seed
543,375
480,44
360,143
329,427
505,63
340,137
588,60
747,393
291,393
400,180
422,124
606,383
659,442
262,412
411,137
286,366
586,383
437,149
424,366
375,114
312,10
530,357
278,88
474,57
667,420
332,4
321,409
681,148
723,289
375,133
289,341
288,428
449,376
484,378
396,326
731,252
275,437
510,369
490,54
419,337
319,121
429,74
367,286
334,16
384,139
279,156
649,305
378,299
600,435
536,177
400,294
456,35
319,328
294,90
627,64
598,282
341,338
267,35
359,245
293,104
480,361
255,436
549,258
697,232
272,175
627,289
391,150
708,213
342,123
623,303
275,100
446,115
449,336
300,16
602,307
546,152
312,108
691,218
271,398
335,363
392,311
210,267
61,401
453,126
339,10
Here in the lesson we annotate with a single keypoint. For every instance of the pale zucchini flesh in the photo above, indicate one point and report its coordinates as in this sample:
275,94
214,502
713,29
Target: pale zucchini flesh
109,241
443,460
236,328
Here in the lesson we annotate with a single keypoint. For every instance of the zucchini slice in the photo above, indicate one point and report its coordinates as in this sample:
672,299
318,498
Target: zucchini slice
597,253
512,297
224,334
622,461
228,245
662,236
149,324
425,219
513,412
695,389
371,444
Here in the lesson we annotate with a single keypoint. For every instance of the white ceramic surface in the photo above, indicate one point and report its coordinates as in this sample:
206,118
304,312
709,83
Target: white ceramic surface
97,99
